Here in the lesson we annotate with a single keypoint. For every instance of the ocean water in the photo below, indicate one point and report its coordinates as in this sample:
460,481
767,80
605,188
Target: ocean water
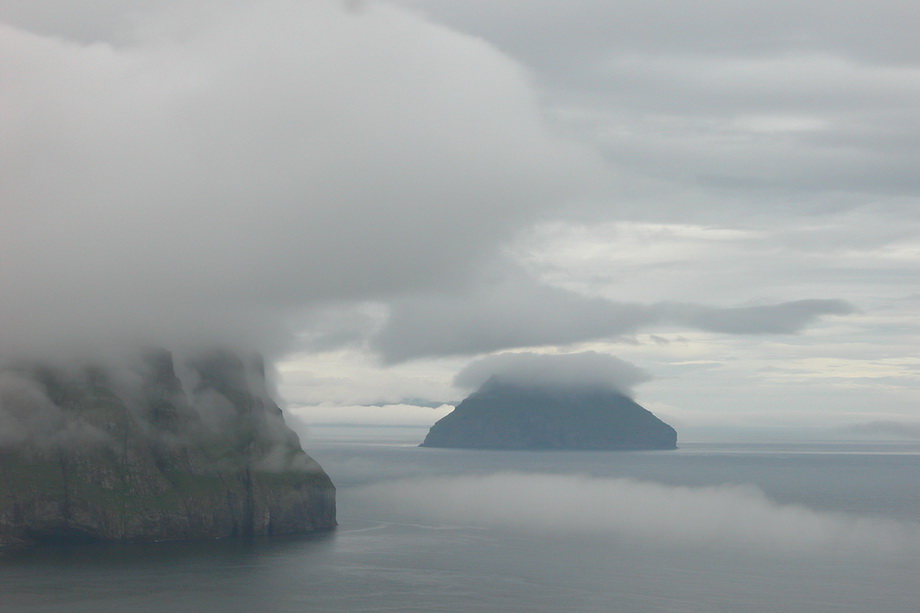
709,527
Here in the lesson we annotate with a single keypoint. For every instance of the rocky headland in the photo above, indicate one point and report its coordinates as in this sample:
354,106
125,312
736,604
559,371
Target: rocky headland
136,454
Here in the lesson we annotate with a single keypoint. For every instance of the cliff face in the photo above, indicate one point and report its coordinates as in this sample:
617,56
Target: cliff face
139,457
503,415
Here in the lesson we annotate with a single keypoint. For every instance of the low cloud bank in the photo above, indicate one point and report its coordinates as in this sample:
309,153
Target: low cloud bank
732,516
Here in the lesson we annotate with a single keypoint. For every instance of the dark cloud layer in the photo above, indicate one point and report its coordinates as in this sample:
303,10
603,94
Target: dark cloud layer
518,312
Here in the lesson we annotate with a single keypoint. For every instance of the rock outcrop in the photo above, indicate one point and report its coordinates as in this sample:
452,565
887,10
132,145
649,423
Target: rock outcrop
503,415
88,454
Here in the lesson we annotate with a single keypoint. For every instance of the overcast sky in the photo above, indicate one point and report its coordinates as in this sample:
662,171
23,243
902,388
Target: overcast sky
378,194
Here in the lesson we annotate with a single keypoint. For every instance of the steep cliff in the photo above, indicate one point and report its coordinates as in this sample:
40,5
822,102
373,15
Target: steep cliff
504,415
91,454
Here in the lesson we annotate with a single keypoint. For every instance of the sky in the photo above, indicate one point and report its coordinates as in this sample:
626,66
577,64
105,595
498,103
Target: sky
380,195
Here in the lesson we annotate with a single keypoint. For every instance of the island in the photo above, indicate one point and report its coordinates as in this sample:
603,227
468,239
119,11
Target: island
505,414
133,453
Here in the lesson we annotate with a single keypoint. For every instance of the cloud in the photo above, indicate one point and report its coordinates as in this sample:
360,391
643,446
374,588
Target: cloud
28,415
587,368
539,31
727,111
324,175
820,256
516,311
730,516
210,179
512,312
784,318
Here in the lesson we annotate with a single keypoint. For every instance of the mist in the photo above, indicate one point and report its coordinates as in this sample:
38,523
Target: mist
161,398
727,516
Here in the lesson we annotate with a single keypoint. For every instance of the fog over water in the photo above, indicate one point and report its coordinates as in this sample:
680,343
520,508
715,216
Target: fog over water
738,516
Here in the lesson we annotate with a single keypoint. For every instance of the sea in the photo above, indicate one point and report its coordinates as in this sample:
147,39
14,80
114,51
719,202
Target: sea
711,526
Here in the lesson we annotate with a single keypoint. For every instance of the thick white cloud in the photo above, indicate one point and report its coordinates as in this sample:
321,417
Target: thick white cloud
208,180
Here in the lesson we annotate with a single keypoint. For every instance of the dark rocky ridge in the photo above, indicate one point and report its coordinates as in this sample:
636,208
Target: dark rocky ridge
504,415
85,455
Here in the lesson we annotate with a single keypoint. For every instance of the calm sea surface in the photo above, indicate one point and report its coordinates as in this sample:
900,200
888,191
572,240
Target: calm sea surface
735,528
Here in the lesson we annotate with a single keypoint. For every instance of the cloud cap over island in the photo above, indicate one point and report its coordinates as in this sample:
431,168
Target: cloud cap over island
587,369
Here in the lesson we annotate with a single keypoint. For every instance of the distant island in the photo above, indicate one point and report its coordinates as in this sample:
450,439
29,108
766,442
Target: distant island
131,454
511,415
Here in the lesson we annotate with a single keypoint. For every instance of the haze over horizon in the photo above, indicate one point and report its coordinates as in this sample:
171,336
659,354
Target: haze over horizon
380,195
